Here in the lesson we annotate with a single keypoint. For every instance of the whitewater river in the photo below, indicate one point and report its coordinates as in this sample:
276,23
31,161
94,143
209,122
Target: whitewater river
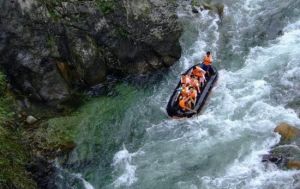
128,141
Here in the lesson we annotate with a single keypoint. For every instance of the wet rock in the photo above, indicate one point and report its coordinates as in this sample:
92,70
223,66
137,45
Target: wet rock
272,158
280,33
293,165
31,120
287,132
286,154
97,90
215,7
195,10
43,172
220,9
90,59
290,152
295,104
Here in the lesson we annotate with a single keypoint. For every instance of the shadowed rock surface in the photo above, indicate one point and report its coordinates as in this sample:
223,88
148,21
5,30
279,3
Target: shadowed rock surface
49,48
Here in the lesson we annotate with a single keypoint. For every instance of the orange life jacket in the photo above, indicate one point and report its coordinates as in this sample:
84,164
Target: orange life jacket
194,94
207,60
187,80
182,104
195,83
197,72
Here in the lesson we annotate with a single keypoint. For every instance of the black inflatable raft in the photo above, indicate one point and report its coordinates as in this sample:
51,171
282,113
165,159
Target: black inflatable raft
173,108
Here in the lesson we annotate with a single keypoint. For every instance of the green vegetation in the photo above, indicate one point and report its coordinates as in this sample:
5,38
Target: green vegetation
106,6
120,31
13,156
5,101
2,83
55,135
195,3
93,123
13,159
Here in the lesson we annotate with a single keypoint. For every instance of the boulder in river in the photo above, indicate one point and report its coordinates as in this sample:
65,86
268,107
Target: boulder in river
287,132
286,154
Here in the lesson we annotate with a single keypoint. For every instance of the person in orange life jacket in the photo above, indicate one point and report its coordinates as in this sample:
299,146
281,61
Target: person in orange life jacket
185,91
200,74
207,61
183,103
193,95
185,80
196,84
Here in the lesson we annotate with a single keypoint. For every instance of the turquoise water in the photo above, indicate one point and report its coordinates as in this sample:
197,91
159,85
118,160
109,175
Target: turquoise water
128,141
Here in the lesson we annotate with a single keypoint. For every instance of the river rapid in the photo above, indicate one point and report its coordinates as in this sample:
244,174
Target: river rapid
128,141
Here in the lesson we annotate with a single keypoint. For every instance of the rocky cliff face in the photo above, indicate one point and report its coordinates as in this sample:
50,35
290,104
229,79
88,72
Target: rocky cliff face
48,48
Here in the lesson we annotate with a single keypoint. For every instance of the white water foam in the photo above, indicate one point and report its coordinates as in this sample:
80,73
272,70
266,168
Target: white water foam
86,184
248,91
223,147
78,176
241,107
122,163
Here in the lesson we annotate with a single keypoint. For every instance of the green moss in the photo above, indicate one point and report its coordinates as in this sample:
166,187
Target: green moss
106,6
93,123
5,101
121,32
55,135
5,109
13,159
195,3
13,156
